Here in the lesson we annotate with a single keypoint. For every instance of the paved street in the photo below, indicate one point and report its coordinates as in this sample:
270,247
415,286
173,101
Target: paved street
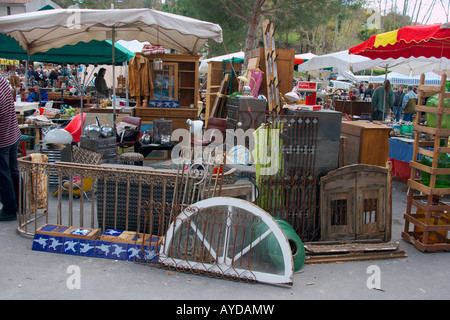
28,274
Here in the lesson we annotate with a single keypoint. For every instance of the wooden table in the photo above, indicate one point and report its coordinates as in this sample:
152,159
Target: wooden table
70,100
177,115
37,130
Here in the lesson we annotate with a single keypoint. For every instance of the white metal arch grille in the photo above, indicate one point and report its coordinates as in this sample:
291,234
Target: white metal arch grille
228,238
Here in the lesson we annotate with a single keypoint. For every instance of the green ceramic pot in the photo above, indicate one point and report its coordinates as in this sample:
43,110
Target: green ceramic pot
272,248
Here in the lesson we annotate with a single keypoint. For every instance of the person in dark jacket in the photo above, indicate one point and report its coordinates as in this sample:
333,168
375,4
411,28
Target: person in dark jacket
53,78
382,101
398,104
38,95
100,83
368,92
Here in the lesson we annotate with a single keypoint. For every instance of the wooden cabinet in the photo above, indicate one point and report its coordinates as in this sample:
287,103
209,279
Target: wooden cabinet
285,66
355,204
177,115
365,143
178,80
165,82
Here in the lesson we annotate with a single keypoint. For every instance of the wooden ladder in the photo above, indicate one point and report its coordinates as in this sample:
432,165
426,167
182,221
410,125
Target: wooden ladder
431,221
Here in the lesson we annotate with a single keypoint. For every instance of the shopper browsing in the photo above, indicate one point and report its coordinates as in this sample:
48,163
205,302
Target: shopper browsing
408,117
9,143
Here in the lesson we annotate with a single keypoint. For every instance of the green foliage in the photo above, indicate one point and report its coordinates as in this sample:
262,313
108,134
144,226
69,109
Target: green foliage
234,29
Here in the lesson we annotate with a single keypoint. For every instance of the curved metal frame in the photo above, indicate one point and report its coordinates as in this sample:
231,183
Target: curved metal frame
224,261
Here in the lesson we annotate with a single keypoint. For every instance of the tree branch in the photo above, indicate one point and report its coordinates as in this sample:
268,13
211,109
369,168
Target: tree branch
240,14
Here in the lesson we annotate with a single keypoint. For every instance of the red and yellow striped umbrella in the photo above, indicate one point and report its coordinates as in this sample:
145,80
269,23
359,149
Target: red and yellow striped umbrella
411,41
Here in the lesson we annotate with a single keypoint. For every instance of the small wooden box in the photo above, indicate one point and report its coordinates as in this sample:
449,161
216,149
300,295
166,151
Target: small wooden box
67,231
129,237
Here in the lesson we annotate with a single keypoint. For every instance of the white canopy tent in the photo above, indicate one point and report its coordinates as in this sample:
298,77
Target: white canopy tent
40,31
431,78
341,60
43,30
307,56
203,68
133,45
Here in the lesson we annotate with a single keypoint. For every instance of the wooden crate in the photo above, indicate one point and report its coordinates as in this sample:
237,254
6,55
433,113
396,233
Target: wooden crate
68,231
129,237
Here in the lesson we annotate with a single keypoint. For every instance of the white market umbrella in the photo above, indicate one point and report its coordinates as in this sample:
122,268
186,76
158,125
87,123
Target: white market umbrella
407,66
203,68
40,31
341,60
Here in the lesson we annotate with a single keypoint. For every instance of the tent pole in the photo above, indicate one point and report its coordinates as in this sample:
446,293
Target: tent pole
80,86
125,64
385,94
113,40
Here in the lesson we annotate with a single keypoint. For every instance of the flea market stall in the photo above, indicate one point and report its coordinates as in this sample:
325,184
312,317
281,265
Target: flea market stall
263,176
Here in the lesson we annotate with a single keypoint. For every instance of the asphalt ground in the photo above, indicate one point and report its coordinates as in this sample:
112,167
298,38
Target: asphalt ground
34,275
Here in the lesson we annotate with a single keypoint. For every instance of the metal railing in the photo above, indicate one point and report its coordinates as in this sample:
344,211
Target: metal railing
105,196
175,228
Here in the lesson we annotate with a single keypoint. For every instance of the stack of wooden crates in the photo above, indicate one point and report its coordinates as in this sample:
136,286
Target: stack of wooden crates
428,228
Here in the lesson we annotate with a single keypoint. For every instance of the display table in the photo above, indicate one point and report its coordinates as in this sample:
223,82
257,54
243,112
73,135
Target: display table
21,107
400,154
37,130
70,100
